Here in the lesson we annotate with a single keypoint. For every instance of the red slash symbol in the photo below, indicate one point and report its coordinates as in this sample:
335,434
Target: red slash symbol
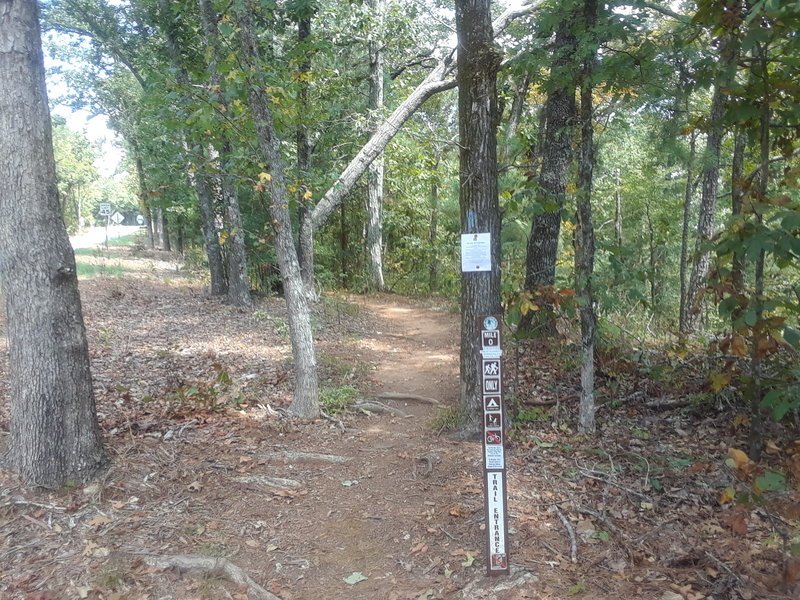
492,437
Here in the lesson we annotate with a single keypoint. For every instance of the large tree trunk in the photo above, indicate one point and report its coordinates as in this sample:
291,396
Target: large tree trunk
478,62
559,117
433,267
375,174
306,399
54,436
584,235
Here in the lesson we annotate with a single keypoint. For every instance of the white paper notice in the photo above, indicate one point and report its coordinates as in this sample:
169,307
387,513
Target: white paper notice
476,252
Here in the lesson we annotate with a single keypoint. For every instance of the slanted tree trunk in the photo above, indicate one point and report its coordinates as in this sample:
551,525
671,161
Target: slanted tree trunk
584,235
306,399
54,437
375,171
559,117
438,80
478,62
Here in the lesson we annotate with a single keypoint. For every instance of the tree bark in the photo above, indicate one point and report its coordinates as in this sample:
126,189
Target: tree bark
375,170
584,236
710,183
305,228
433,267
144,205
737,209
559,117
478,62
198,181
238,293
688,194
54,437
306,399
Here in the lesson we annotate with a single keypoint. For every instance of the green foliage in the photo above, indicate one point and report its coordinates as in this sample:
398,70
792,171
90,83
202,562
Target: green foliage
336,399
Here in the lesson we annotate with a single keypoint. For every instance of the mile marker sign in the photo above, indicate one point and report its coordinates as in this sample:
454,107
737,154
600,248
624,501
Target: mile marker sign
494,460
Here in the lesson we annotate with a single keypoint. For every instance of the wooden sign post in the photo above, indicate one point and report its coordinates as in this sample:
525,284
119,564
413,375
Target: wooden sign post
494,460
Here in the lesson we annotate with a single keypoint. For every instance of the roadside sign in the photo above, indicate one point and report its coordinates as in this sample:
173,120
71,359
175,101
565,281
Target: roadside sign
494,462
105,209
139,220
117,218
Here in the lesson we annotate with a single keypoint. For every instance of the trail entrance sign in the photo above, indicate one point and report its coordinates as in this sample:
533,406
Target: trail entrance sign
494,460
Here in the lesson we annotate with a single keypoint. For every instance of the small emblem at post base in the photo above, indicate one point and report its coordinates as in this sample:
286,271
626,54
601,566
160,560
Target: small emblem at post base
499,562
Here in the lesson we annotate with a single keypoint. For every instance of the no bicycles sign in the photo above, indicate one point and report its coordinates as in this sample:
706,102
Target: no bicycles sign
494,460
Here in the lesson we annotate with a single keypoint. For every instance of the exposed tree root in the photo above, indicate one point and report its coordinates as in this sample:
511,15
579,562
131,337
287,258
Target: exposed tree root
219,567
379,407
294,457
409,398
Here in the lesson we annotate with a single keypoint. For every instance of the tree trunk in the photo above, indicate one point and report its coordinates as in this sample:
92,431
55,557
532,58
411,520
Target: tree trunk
560,113
478,63
375,171
433,268
54,438
737,209
198,182
306,399
305,228
756,387
584,235
688,193
710,183
238,293
163,229
144,205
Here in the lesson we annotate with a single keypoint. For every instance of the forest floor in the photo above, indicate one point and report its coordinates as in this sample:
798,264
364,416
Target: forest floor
213,493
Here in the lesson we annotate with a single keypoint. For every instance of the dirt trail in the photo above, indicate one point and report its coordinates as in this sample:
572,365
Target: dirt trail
190,394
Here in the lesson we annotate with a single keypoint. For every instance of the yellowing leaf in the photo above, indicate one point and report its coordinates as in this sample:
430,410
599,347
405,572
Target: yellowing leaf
727,495
719,381
470,560
740,459
307,195
264,177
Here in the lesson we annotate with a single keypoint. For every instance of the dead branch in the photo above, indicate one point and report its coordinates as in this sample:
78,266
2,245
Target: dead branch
408,397
333,420
573,542
219,567
294,457
271,482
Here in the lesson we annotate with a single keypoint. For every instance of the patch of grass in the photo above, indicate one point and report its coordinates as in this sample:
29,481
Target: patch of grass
335,399
446,419
87,270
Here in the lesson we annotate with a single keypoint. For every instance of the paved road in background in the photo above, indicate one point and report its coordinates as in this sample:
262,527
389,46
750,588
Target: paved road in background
96,236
